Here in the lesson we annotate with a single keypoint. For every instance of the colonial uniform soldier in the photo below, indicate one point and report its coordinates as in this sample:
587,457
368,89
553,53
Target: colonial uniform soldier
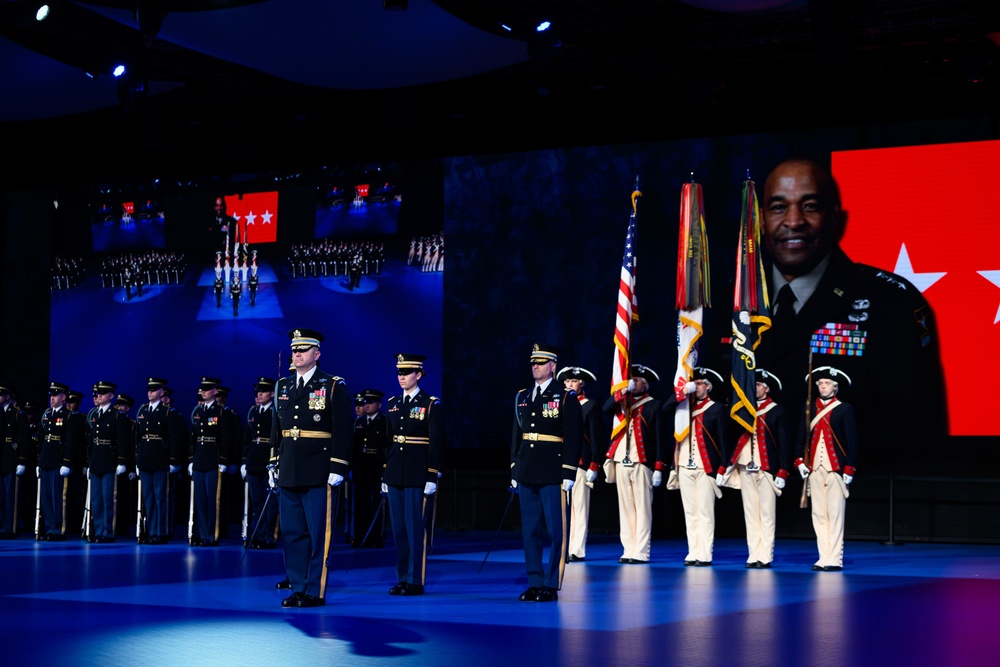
545,448
760,462
210,451
413,459
635,460
256,455
311,446
369,456
15,444
159,447
826,459
109,441
698,458
56,453
575,378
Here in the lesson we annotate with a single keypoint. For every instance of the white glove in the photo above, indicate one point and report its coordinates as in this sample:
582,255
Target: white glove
334,479
243,471
720,480
591,476
848,479
38,471
191,469
803,470
222,468
779,482
137,470
272,478
567,485
630,387
64,471
430,488
385,488
19,471
657,478
513,484
174,469
132,476
120,470
689,388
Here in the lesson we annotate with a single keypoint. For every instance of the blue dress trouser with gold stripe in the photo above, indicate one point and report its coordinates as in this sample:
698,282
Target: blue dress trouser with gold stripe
543,511
306,517
406,508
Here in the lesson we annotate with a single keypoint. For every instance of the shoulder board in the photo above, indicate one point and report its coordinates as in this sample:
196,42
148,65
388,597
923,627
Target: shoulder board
435,399
338,380
392,398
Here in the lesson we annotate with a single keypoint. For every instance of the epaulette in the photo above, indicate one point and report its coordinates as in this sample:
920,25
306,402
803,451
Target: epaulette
337,378
435,398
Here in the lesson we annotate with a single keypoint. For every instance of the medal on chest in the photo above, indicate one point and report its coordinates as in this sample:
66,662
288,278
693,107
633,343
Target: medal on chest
317,399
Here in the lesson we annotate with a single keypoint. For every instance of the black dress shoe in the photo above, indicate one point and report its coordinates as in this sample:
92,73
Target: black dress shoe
310,601
763,566
283,585
754,565
832,568
817,568
530,595
575,559
210,543
412,589
398,588
702,563
292,600
689,563
547,595
625,561
55,537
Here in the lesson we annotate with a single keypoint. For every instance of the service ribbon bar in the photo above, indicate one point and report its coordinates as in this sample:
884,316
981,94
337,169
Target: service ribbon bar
839,339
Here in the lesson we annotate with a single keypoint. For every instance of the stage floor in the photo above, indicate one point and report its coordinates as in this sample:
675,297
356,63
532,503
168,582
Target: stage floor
78,604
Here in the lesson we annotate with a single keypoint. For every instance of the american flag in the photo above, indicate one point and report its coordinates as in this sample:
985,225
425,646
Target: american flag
628,312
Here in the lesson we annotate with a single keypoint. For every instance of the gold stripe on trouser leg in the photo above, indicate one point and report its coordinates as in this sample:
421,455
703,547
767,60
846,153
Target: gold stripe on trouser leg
114,506
423,560
218,504
17,492
65,493
326,539
565,537
434,516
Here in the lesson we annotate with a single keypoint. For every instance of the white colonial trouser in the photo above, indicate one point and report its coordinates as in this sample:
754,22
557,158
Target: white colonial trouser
759,505
698,498
828,496
580,499
635,509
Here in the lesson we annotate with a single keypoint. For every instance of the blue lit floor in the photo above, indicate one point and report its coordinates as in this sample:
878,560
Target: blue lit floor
77,604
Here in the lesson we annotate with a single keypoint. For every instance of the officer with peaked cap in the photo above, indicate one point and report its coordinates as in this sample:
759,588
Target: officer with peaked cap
256,456
826,460
698,459
56,453
210,451
14,447
77,483
413,458
110,438
636,459
159,446
758,466
311,446
576,378
545,448
366,466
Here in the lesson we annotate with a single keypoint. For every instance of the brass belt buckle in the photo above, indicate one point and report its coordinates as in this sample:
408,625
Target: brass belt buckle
295,432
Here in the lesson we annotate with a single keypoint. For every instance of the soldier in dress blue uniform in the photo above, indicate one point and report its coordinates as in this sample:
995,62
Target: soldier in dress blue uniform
180,426
160,450
109,439
56,453
210,451
128,485
256,455
311,447
413,459
77,483
545,450
366,470
15,445
231,495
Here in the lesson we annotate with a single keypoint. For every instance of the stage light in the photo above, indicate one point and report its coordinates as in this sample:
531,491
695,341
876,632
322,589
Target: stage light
543,26
118,71
506,27
42,13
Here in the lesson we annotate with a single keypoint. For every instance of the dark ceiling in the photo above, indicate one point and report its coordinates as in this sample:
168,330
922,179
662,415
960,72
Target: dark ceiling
230,85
